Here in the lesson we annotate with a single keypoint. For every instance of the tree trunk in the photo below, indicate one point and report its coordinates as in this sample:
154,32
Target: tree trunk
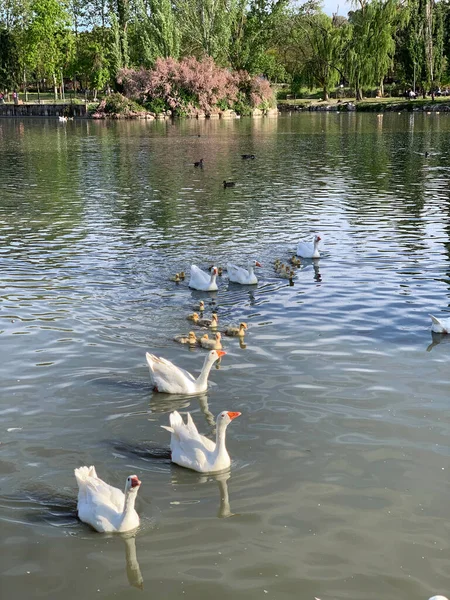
359,94
326,96
55,88
25,88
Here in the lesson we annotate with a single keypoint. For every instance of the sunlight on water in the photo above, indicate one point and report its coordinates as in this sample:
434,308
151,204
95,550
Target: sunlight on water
338,480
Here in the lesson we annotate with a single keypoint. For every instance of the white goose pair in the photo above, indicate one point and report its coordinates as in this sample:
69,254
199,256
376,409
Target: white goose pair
206,282
189,448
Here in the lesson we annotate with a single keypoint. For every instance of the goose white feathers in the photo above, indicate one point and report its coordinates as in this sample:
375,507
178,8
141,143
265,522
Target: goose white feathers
440,325
309,249
194,451
241,275
104,507
167,377
200,280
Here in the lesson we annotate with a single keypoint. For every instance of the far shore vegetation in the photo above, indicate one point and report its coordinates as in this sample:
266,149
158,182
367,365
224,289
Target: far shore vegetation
200,57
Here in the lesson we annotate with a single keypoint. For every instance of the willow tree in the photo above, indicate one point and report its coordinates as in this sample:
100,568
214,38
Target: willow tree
371,44
154,32
206,27
322,49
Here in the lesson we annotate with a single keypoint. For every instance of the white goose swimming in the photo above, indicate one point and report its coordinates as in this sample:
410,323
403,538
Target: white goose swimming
200,280
167,377
194,451
103,507
309,249
241,275
440,325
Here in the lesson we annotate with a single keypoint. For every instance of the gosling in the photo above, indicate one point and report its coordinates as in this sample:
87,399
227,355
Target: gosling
236,331
214,344
189,339
212,323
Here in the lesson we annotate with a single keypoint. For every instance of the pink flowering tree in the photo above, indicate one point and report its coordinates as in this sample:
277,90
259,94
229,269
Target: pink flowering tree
190,85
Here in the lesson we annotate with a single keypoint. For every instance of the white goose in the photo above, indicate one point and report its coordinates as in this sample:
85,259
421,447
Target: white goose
103,507
241,275
168,378
440,325
196,452
309,249
200,280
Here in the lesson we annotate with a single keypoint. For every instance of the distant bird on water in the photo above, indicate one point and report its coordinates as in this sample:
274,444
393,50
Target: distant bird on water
199,163
248,156
227,184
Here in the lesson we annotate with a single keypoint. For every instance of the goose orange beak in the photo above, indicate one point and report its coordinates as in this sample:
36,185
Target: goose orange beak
221,353
135,481
258,264
233,415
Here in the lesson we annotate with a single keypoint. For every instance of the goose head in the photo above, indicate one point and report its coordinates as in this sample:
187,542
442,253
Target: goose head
254,263
224,419
214,272
132,484
317,239
214,355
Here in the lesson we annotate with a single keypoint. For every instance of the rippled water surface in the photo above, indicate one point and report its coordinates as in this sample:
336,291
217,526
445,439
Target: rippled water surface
339,482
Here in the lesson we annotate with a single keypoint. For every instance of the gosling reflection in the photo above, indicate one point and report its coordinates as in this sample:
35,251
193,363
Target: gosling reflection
134,574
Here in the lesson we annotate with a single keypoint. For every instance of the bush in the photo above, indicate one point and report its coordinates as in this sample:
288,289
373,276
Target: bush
189,85
117,105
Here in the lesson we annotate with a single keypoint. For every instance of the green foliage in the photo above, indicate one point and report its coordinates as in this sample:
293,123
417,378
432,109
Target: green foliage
156,105
118,105
9,59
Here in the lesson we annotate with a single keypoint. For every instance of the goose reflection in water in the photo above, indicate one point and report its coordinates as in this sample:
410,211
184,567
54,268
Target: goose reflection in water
438,338
317,275
43,505
181,476
134,574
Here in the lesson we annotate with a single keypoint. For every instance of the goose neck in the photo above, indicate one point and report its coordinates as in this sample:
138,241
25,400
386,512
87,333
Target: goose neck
202,379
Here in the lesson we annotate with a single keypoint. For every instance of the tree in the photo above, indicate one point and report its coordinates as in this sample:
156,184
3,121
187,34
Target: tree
371,44
322,50
9,60
155,32
254,31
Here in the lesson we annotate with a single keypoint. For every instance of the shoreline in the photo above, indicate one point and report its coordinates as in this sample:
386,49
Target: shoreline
368,106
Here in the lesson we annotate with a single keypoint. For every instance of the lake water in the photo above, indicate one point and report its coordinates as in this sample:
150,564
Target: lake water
339,484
